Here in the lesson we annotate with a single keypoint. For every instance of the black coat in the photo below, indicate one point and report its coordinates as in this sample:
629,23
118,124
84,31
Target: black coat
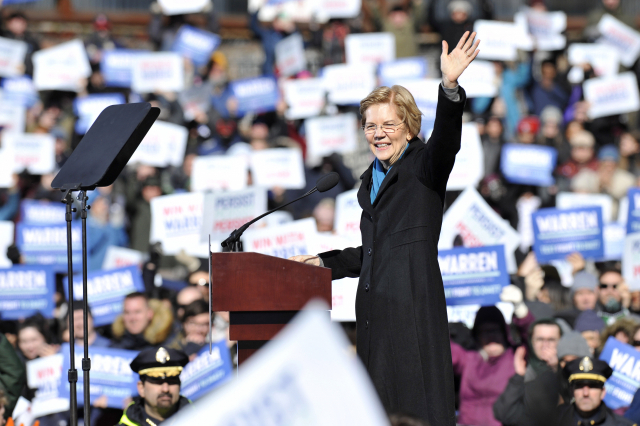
401,315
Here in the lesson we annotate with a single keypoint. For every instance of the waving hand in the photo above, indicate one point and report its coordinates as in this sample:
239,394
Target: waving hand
453,64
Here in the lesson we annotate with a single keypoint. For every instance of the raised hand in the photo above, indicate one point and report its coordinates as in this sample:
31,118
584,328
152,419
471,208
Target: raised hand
453,64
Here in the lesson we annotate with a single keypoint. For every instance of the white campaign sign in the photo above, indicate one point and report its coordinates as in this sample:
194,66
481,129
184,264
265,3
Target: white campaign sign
343,299
6,173
6,239
34,152
604,60
61,67
44,374
12,53
349,84
468,169
545,27
176,221
157,71
278,167
226,211
571,200
613,95
290,58
298,11
305,97
12,117
326,135
631,261
370,48
500,40
623,38
479,80
179,7
297,237
347,216
477,224
120,257
302,377
425,92
163,146
327,9
219,172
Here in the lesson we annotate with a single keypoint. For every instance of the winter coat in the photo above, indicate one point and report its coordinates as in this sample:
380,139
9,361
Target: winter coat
156,332
13,376
401,315
567,416
135,415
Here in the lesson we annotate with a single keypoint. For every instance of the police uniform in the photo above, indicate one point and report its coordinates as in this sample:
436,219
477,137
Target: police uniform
588,371
161,364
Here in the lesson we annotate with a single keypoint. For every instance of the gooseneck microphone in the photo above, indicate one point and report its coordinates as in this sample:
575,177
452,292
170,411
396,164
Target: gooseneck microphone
325,183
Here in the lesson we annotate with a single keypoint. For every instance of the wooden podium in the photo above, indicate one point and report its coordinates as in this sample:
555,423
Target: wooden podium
262,293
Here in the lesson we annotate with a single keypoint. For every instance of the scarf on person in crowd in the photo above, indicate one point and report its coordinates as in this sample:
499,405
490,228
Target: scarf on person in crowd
379,174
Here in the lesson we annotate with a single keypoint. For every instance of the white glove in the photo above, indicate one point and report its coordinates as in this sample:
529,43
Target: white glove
513,294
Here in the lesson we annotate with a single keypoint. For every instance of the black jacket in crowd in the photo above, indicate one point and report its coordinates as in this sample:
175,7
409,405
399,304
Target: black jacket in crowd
567,416
135,414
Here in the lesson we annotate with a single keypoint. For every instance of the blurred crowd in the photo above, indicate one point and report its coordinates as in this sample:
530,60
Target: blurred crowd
504,367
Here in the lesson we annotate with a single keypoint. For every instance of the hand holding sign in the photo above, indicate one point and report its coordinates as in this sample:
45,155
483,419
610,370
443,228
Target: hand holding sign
453,64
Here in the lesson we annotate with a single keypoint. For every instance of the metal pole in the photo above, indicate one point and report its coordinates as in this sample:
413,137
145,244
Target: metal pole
73,373
86,361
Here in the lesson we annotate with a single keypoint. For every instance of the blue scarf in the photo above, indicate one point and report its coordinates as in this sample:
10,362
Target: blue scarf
378,176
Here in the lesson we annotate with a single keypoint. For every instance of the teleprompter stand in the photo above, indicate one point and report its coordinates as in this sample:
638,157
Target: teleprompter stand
97,161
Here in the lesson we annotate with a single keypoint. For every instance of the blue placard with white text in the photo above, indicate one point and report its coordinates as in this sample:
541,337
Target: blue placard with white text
47,244
195,44
87,108
35,212
528,164
107,290
393,72
258,94
111,375
633,218
473,276
624,360
558,233
25,291
20,90
206,372
115,66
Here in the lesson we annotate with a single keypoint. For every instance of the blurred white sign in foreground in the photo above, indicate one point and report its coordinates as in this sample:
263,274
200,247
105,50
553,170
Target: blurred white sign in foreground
613,95
163,146
370,48
281,167
623,38
179,7
468,168
480,80
305,97
303,377
12,53
61,67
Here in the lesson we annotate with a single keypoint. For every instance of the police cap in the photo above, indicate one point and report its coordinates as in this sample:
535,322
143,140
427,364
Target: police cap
587,369
161,362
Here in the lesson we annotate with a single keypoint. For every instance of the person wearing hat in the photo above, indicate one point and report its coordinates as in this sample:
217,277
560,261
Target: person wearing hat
583,295
158,388
586,377
590,325
582,157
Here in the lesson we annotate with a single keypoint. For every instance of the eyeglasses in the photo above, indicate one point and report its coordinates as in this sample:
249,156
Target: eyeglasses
550,340
605,286
387,128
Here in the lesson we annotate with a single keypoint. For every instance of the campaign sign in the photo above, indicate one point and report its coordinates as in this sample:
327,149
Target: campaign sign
219,172
624,360
226,211
343,299
304,97
425,93
45,375
283,241
258,94
326,135
290,58
633,215
87,108
111,375
545,27
106,291
195,44
179,7
348,214
402,69
120,257
6,239
61,67
348,84
344,9
116,65
623,38
207,371
572,200
500,40
370,48
612,95
20,91
631,261
176,221
47,244
528,164
614,237
12,117
558,233
157,71
34,152
473,275
12,53
34,212
468,168
26,290
480,81
164,145
281,167
604,60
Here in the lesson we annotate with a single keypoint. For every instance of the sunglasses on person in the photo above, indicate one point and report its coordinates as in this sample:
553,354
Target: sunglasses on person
605,286
173,380
593,384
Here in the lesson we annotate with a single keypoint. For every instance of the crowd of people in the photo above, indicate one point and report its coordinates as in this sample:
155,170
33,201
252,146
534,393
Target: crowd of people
510,371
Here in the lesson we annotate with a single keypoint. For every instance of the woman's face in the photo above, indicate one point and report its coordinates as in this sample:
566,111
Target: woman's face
387,145
30,342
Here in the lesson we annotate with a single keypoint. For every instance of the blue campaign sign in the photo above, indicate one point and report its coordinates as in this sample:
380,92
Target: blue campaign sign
558,233
402,69
20,90
528,164
473,275
116,64
34,212
107,290
258,94
110,375
47,244
633,218
206,372
87,108
25,291
624,360
195,44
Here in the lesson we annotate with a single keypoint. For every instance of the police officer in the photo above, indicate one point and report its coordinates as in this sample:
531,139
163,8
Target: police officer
586,377
159,387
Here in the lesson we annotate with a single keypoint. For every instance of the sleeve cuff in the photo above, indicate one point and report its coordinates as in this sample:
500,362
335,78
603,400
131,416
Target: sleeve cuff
452,94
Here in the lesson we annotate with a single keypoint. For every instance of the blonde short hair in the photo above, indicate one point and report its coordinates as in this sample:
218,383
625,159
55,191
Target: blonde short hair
406,107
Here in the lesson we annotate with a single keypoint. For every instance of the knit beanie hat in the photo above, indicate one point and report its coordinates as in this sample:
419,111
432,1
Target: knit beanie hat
582,280
574,344
589,321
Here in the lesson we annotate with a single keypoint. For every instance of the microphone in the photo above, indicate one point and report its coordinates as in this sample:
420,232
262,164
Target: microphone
325,183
